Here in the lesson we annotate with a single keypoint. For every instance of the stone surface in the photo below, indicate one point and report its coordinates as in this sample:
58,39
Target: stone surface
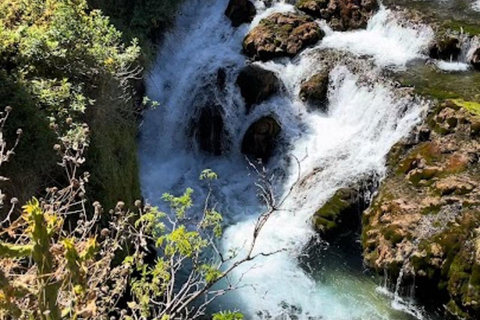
446,48
257,84
423,218
315,90
260,139
240,11
280,35
209,129
475,59
341,15
341,213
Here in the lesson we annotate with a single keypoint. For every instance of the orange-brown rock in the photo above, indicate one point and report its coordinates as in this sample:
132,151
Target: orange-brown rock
341,15
280,35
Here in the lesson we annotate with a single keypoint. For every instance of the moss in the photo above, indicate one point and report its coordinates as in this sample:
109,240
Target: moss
392,234
433,83
462,26
475,278
471,106
327,218
429,151
432,210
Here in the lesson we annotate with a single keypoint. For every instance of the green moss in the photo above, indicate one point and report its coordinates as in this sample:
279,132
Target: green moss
473,107
392,234
466,27
429,151
428,81
326,218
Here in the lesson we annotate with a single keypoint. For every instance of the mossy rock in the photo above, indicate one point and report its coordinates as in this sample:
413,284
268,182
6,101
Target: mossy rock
471,106
342,15
315,90
341,213
281,35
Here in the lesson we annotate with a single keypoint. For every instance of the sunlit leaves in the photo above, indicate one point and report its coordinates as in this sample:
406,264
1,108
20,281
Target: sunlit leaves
228,315
208,174
181,204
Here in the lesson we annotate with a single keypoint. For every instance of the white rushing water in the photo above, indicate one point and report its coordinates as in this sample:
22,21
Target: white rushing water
385,39
344,145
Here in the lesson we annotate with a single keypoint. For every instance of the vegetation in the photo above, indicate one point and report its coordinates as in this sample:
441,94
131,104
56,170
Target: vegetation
69,83
140,19
56,261
66,68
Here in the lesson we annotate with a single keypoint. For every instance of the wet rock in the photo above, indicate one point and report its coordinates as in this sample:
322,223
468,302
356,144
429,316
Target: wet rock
475,59
240,11
209,129
257,84
423,219
475,127
221,79
280,35
341,213
260,139
341,15
315,90
446,48
268,3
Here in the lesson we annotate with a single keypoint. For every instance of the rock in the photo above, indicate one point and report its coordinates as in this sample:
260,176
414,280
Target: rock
268,3
475,59
209,129
423,219
341,213
446,48
341,15
257,84
315,90
221,79
240,11
260,139
455,186
475,127
280,35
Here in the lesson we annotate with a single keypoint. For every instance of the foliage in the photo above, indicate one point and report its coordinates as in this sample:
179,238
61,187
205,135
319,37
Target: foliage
228,316
141,19
65,63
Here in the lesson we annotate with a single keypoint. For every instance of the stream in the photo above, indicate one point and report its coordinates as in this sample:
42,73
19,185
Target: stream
367,114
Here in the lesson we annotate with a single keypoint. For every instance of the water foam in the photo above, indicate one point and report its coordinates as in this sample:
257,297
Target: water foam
386,39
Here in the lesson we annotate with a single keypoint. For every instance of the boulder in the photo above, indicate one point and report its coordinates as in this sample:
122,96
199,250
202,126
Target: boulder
281,35
315,90
209,129
446,48
341,15
257,84
240,11
221,79
424,218
260,139
475,59
269,3
341,213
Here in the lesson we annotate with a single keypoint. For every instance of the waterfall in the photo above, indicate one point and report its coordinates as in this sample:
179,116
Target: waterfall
366,115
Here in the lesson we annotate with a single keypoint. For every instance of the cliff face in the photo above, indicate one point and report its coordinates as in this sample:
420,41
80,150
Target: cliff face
424,223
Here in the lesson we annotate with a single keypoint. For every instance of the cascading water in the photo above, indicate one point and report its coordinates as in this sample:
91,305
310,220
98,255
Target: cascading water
366,117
